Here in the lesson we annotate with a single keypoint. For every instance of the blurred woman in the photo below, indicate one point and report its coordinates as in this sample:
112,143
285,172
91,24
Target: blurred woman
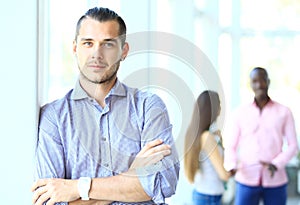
203,160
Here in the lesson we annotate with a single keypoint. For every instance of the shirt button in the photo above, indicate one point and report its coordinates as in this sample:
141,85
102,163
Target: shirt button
106,165
104,138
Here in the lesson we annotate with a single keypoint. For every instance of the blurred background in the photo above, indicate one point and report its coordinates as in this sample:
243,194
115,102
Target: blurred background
37,66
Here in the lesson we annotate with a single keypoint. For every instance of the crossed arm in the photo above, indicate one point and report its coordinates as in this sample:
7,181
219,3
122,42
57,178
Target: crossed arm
123,187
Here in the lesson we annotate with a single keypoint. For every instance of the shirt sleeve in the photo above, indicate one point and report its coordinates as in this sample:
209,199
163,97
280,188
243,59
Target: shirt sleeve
230,144
49,150
159,180
49,155
289,132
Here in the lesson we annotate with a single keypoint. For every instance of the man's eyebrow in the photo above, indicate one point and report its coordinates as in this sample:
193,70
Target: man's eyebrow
107,39
110,39
86,39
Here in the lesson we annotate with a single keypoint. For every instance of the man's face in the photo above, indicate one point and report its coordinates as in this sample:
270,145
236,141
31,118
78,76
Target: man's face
98,50
259,83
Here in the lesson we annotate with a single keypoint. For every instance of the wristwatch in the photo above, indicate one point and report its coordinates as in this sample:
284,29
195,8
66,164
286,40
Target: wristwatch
84,185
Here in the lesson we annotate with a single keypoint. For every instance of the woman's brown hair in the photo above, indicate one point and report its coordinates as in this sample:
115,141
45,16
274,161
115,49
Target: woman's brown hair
206,111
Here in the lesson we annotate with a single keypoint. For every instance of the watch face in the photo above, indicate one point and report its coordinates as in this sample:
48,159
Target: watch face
86,182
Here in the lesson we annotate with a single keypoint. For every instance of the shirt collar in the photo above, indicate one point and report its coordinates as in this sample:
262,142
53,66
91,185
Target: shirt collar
269,103
79,93
118,89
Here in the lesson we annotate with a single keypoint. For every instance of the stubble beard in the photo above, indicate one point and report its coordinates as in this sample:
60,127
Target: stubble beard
105,79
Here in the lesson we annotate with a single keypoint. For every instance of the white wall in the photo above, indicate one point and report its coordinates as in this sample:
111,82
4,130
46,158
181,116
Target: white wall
18,99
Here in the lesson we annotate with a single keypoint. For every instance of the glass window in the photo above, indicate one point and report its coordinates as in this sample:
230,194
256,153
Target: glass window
270,14
273,43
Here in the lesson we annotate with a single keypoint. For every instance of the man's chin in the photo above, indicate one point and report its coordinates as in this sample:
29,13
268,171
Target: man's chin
261,95
102,81
91,79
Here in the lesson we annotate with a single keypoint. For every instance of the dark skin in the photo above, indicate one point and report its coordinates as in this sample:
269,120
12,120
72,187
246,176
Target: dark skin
259,82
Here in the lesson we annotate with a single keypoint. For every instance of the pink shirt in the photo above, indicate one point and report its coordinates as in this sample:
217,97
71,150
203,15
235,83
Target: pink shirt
258,136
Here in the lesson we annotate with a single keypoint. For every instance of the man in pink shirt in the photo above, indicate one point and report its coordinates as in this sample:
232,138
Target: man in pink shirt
255,151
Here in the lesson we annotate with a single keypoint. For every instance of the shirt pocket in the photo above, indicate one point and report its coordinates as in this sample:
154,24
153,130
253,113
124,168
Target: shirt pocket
125,145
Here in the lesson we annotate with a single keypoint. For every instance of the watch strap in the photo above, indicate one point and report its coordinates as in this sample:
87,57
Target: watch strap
84,185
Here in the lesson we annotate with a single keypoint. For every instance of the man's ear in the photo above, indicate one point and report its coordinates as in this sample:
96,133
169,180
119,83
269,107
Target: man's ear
74,46
125,50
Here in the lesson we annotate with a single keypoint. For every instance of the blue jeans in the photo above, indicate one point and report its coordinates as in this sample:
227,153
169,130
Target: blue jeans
204,199
249,195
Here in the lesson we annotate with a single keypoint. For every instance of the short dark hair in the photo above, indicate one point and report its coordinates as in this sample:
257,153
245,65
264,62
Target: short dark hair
102,15
260,69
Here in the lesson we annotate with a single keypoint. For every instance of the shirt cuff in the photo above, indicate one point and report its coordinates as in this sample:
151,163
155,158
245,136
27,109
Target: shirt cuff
159,180
149,179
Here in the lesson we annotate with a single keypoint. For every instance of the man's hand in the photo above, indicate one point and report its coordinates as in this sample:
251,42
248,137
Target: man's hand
232,172
152,153
271,167
54,190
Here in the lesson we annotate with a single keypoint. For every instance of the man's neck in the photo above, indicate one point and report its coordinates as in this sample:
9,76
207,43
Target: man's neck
97,91
262,101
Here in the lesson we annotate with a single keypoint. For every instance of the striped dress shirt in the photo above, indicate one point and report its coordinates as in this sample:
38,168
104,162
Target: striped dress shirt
79,138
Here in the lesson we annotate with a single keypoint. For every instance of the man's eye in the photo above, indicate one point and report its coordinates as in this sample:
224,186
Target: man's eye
87,44
108,45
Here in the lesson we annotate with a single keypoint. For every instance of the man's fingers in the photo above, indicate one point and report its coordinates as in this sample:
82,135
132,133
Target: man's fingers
154,143
264,163
153,152
154,158
42,198
157,157
51,202
150,145
40,191
39,183
163,153
232,172
157,149
271,167
149,159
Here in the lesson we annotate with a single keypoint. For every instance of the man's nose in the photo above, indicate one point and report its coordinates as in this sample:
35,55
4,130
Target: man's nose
97,52
260,85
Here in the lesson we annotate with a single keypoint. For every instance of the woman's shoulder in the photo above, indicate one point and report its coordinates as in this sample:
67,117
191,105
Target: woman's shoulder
207,135
208,139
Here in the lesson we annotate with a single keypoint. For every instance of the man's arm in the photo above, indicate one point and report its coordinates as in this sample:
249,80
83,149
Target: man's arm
89,202
49,153
160,180
289,132
49,156
124,187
